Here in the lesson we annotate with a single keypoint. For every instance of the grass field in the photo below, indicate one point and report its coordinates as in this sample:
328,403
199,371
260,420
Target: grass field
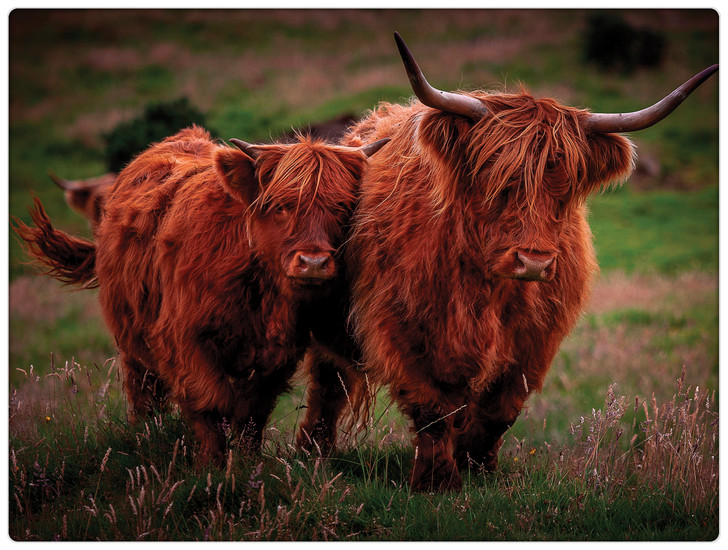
620,445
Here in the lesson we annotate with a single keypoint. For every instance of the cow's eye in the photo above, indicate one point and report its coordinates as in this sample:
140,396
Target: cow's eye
280,211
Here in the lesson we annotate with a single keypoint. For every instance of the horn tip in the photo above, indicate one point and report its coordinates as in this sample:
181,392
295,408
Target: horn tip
56,179
247,148
239,143
401,46
703,75
372,148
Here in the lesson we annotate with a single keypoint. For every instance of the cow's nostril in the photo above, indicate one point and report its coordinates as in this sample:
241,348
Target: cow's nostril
318,261
313,265
534,266
534,263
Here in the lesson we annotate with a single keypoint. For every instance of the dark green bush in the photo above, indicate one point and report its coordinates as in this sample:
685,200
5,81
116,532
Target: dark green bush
158,121
612,43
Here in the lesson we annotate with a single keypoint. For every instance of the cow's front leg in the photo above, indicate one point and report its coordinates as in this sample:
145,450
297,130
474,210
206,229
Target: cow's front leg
491,415
434,467
479,446
208,429
334,385
255,399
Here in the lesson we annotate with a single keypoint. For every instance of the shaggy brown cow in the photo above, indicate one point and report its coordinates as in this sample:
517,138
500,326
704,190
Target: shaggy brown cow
471,256
214,265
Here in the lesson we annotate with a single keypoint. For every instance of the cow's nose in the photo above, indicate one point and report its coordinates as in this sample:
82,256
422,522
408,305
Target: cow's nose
314,265
535,266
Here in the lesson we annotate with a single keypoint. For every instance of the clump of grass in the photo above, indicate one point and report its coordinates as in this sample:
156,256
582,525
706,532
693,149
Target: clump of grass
80,472
672,448
680,445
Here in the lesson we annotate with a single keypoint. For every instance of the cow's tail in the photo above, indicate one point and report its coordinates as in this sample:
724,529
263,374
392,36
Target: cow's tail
62,256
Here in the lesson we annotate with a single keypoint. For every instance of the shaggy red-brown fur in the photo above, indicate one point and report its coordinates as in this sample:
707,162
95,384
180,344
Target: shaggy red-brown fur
198,258
445,212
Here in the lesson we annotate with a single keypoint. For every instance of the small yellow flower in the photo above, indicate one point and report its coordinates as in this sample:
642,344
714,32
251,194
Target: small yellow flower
533,451
48,418
515,459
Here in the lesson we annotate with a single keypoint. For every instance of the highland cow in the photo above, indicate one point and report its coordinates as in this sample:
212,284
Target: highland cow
214,266
471,257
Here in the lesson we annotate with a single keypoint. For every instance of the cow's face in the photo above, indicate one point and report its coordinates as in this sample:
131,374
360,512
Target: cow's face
299,199
300,243
525,167
522,238
538,172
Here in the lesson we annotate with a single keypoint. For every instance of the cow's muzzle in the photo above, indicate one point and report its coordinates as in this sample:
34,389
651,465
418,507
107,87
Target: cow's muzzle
535,266
528,265
312,267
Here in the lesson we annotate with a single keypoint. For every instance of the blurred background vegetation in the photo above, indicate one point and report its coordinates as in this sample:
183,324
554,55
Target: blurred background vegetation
89,88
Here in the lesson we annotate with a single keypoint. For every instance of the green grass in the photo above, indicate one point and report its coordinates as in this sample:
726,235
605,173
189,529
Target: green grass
82,473
663,231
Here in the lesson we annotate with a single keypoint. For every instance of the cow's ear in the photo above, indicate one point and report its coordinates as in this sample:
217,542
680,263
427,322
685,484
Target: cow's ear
236,172
442,133
611,159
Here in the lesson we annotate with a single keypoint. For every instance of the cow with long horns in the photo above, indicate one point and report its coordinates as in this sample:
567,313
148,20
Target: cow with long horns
471,257
214,266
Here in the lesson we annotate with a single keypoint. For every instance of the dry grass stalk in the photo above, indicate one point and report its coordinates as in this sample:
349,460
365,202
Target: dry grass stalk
675,446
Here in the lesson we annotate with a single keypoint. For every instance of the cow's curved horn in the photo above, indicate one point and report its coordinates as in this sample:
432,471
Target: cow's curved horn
432,97
601,123
60,182
372,148
251,150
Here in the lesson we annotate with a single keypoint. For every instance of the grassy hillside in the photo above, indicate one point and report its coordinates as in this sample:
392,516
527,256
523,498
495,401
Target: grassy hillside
586,461
74,75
